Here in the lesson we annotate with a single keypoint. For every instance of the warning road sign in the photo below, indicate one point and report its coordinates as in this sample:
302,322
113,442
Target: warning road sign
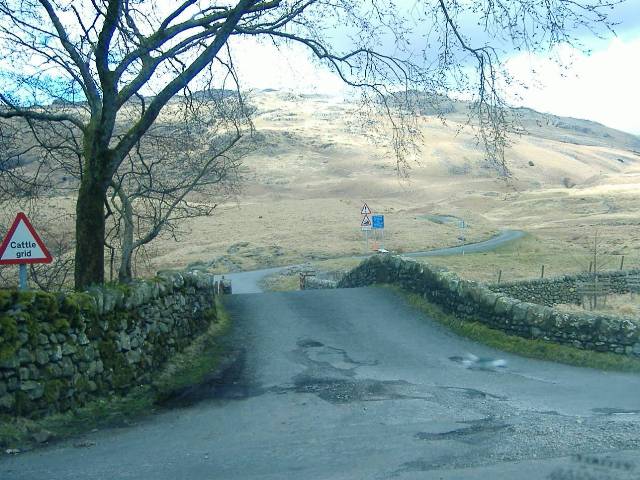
365,210
366,223
22,244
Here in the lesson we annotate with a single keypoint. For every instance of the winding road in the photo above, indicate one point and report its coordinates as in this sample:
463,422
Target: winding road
357,384
249,282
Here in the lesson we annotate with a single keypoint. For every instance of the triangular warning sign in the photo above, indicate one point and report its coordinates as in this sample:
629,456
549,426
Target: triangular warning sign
365,210
22,244
366,222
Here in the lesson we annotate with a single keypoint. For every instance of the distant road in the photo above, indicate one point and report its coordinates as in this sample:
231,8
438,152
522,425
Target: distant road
503,237
249,282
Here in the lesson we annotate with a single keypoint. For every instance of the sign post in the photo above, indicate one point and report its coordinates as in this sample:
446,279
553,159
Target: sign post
378,226
23,246
365,225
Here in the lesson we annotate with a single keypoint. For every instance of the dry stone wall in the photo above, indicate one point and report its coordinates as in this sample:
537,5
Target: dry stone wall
567,289
476,302
57,351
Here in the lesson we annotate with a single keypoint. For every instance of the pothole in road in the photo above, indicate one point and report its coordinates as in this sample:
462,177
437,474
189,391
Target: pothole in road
473,393
473,428
340,390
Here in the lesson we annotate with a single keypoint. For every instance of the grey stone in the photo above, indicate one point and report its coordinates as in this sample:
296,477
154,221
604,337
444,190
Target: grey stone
25,356
7,401
12,384
42,436
54,370
24,373
123,342
3,387
34,390
42,357
56,354
68,349
83,339
133,356
11,362
43,339
67,367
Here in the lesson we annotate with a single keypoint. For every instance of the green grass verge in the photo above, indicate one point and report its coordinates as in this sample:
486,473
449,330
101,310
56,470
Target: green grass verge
540,349
187,368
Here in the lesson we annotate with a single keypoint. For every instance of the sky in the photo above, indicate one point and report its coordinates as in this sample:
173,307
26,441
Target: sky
603,86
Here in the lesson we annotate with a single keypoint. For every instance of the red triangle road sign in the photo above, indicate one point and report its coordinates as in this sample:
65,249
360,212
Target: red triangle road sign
365,210
366,222
22,244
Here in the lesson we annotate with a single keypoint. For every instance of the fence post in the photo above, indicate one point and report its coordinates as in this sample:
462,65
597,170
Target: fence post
499,276
621,262
542,272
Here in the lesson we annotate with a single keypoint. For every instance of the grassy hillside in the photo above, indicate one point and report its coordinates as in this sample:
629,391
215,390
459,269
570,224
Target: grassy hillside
316,162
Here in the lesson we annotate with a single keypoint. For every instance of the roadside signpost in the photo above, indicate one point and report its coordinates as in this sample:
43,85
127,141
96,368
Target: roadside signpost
378,226
372,222
22,246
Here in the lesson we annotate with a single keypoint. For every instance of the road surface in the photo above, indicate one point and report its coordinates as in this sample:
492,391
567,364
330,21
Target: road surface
356,384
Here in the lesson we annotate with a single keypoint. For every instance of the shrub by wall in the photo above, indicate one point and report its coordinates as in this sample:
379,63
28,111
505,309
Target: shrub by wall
472,301
57,351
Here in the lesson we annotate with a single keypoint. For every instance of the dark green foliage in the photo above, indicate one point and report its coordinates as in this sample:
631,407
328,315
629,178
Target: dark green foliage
7,299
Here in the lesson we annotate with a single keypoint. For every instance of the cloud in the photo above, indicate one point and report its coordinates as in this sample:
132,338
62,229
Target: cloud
603,86
262,64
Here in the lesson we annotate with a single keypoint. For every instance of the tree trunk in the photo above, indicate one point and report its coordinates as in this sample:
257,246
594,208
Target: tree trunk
90,232
125,272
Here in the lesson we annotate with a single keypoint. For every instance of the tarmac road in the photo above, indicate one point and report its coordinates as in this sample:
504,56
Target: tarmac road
355,384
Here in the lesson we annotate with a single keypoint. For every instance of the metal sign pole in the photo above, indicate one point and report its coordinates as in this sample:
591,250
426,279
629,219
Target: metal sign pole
23,277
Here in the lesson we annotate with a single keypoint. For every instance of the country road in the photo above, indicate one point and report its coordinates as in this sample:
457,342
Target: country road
249,282
356,384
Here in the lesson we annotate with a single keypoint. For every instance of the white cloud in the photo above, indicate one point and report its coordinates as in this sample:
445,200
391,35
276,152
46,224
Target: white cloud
604,86
261,64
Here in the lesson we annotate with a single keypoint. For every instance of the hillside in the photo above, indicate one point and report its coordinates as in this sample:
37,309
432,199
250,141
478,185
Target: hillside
315,164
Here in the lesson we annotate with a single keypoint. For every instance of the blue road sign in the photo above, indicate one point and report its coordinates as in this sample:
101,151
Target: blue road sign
377,221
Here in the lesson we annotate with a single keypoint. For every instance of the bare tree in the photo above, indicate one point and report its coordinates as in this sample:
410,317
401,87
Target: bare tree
92,57
179,170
